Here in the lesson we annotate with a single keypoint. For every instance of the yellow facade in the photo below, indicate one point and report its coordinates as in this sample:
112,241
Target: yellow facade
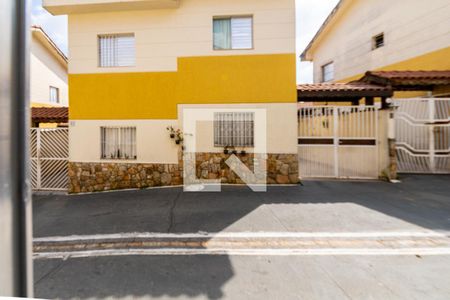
199,80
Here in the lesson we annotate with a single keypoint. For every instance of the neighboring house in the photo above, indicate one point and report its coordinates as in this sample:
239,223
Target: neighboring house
48,71
137,65
381,35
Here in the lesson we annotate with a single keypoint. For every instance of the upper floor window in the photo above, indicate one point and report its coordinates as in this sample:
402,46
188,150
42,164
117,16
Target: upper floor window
378,41
118,143
233,33
328,72
54,94
234,129
116,50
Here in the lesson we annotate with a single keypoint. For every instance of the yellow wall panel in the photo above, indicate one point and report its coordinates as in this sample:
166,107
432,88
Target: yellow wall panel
199,80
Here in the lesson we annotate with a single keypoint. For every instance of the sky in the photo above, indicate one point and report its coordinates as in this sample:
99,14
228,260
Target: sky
310,15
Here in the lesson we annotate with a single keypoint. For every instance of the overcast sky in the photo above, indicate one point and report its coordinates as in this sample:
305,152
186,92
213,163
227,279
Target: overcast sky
310,15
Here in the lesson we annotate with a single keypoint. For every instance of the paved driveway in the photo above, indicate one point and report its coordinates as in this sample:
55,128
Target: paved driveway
418,203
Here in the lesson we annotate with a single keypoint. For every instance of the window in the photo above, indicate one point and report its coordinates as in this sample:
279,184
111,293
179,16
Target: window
328,72
54,94
234,129
378,41
233,33
118,142
116,50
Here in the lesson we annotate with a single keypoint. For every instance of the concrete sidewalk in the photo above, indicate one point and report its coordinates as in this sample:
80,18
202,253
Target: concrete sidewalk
418,203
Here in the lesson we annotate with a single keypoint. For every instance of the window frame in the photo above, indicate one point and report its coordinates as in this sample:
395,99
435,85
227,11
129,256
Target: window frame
322,69
375,45
124,34
119,128
230,17
58,99
233,130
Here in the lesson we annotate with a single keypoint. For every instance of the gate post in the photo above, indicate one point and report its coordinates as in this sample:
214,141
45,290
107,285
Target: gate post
38,159
336,141
431,117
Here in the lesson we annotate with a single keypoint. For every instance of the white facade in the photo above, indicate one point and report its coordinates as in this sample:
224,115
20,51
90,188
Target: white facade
412,28
162,36
48,69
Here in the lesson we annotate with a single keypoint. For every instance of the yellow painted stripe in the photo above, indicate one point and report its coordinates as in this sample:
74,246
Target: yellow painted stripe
199,80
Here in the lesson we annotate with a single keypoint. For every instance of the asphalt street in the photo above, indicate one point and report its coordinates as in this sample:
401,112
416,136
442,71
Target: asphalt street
420,204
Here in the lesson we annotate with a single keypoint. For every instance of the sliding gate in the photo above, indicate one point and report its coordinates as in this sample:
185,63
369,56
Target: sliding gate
423,135
338,142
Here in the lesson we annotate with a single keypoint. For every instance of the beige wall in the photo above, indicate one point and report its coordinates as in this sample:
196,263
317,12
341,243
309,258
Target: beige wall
155,146
411,28
46,71
165,34
280,121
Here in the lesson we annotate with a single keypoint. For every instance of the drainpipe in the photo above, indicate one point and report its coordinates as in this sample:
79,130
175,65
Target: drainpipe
16,276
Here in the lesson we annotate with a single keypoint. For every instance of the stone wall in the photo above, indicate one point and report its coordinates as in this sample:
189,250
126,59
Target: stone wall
281,168
96,177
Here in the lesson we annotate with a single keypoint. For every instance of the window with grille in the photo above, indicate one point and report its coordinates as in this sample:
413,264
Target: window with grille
378,41
328,72
118,143
234,129
54,94
233,33
116,50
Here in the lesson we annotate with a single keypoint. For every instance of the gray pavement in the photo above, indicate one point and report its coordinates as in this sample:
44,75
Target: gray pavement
419,203
244,277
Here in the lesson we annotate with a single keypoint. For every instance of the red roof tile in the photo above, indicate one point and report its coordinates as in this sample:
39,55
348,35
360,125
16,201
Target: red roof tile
408,79
342,90
50,114
330,87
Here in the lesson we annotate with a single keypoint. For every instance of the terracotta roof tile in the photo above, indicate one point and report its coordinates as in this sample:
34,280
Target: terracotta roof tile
339,87
408,79
50,114
342,90
411,74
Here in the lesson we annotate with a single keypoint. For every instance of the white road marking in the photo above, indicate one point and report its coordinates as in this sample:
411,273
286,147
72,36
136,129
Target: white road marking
246,252
246,235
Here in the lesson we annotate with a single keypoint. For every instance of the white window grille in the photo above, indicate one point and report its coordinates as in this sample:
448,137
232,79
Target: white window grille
54,94
234,129
117,50
233,33
118,143
328,72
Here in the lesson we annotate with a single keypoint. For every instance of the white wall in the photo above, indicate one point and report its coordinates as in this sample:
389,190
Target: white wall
46,71
164,35
411,28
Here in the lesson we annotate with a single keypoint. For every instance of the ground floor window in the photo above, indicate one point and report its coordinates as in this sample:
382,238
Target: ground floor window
234,129
118,142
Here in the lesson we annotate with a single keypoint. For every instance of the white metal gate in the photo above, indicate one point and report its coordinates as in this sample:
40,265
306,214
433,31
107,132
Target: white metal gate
49,158
338,142
423,135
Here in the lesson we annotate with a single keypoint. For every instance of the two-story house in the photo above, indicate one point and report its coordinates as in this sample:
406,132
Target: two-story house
381,35
136,65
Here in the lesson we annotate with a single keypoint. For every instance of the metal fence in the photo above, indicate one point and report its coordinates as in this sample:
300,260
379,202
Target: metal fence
49,158
338,142
423,135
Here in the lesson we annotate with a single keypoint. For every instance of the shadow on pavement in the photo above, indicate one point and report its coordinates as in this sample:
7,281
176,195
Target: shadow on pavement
419,201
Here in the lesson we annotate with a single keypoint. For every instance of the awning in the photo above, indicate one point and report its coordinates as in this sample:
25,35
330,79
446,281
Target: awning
50,115
341,91
408,80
